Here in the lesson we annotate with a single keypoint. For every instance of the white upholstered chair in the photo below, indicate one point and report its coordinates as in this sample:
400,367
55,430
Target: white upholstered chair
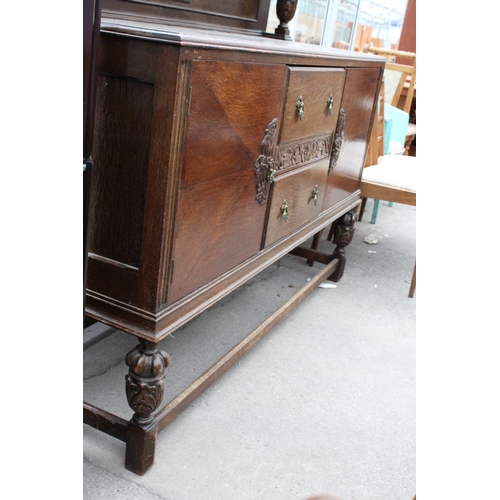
392,178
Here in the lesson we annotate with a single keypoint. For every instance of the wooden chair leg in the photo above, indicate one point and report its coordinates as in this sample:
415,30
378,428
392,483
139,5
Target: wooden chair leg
413,281
362,209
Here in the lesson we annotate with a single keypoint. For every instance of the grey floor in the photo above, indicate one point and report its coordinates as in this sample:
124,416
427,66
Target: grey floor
324,404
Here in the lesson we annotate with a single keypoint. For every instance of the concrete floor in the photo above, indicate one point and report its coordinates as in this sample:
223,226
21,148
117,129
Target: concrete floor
324,404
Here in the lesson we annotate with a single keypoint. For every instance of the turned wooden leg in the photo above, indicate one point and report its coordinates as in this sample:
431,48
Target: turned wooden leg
314,245
145,387
362,209
343,234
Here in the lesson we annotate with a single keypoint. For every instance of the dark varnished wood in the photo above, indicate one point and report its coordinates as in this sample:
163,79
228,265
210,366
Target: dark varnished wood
167,414
219,223
314,85
296,187
133,133
141,439
212,238
157,326
125,105
241,15
194,125
105,421
195,215
358,101
91,29
231,105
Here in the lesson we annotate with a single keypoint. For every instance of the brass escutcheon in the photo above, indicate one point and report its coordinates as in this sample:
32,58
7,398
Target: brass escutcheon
315,195
284,210
329,104
300,107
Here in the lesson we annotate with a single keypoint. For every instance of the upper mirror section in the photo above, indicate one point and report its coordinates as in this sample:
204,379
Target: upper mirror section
239,15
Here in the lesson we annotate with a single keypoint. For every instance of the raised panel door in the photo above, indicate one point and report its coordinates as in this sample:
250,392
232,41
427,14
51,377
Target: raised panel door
358,103
219,221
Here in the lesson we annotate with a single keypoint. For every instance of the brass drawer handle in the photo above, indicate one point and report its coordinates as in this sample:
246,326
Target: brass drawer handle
300,107
329,104
284,210
315,194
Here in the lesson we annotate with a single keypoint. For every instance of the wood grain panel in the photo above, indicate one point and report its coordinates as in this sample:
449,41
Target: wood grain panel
296,188
242,14
123,132
315,86
219,226
358,102
231,105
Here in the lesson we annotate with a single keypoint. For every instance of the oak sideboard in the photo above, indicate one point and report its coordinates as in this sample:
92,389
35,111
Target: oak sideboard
217,151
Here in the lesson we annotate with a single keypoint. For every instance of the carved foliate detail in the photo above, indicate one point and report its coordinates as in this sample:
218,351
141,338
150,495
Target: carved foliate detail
264,171
344,231
337,142
145,381
303,152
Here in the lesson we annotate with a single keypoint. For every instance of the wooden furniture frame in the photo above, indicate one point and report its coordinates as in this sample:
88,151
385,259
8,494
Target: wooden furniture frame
408,74
406,88
218,153
383,189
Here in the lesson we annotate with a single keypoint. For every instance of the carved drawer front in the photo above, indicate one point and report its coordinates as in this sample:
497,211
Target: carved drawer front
312,102
297,198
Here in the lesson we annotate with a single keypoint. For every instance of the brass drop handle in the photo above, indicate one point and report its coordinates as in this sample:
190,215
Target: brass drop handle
284,210
300,107
315,194
329,104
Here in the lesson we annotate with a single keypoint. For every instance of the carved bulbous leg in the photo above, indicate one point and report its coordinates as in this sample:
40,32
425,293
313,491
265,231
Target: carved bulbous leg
145,387
145,381
342,236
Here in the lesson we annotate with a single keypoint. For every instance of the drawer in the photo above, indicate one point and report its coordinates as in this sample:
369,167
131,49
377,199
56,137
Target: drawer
312,88
293,201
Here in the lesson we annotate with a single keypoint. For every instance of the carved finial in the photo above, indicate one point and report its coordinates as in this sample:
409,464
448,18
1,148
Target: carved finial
285,10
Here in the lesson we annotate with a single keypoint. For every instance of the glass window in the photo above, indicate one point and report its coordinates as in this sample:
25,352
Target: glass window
345,24
308,23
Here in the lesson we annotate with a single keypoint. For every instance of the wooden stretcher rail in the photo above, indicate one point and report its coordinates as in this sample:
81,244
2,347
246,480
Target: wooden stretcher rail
117,427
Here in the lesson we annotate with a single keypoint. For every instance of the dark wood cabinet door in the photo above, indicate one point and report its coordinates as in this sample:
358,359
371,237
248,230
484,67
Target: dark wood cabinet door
219,222
358,103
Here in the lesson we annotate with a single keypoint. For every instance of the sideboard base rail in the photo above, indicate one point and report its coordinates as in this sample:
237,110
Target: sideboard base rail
140,441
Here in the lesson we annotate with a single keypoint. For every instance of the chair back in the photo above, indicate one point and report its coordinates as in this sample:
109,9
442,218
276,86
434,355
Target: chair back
376,141
398,76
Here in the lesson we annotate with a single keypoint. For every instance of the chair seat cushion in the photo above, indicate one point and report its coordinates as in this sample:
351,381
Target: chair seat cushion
394,171
411,129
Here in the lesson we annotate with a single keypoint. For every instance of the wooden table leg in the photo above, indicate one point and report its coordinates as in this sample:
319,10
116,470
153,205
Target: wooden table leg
145,384
314,246
344,232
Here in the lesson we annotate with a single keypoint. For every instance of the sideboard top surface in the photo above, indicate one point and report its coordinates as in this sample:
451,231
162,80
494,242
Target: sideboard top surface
198,37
